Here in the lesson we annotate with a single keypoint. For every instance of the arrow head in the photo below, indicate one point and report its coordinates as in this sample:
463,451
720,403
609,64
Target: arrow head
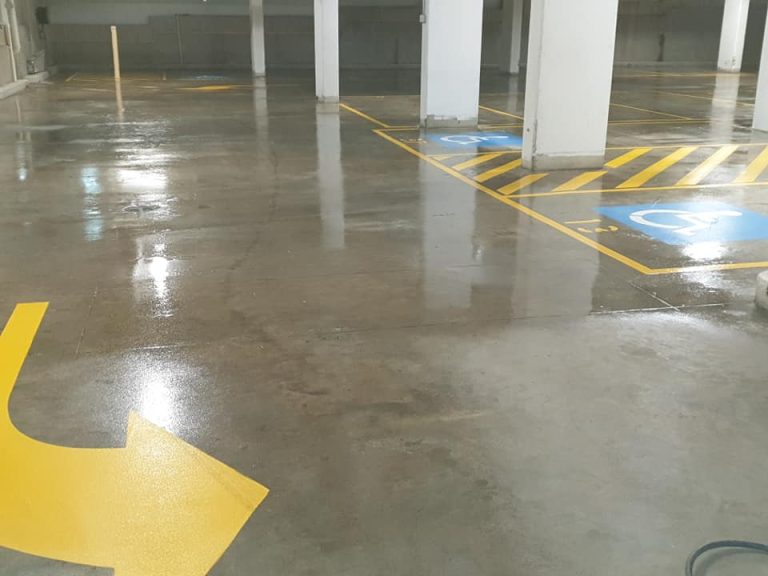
184,507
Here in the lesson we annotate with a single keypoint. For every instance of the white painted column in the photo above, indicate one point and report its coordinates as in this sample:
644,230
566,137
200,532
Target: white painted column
568,87
511,37
732,35
327,50
760,121
330,176
5,18
258,54
452,38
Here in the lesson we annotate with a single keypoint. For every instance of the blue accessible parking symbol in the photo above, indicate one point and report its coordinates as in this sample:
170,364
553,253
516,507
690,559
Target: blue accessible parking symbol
477,140
691,222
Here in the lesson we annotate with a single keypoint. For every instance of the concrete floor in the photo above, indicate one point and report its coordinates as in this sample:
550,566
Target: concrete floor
429,381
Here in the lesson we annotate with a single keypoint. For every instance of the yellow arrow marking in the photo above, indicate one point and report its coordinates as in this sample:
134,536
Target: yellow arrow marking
158,507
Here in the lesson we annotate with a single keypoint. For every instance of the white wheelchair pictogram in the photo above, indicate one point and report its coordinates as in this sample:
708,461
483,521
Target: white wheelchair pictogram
690,224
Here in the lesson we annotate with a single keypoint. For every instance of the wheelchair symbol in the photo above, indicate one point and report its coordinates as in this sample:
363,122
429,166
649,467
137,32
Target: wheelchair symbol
690,223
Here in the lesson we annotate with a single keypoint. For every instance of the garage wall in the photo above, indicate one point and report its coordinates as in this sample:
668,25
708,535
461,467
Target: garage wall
29,41
374,33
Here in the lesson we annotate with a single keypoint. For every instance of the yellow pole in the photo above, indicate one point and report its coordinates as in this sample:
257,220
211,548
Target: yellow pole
115,53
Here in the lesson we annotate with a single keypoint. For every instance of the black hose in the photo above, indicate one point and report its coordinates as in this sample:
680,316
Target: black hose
741,544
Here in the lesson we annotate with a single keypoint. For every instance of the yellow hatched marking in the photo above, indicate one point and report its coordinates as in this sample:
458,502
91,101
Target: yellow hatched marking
657,168
524,182
705,168
478,160
627,158
499,170
754,170
580,180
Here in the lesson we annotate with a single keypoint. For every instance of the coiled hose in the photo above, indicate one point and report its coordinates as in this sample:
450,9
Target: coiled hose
739,544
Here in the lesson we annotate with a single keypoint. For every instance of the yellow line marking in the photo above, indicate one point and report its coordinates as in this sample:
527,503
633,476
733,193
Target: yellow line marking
473,154
523,182
705,168
660,121
753,171
157,506
645,189
709,268
628,157
657,168
500,112
499,170
707,98
71,77
593,221
637,266
478,160
652,111
349,108
580,180
522,208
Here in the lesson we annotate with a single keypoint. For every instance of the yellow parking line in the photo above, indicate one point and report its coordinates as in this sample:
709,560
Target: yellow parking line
651,111
708,98
488,109
524,182
592,221
754,170
628,157
705,168
499,170
349,108
580,180
642,268
657,168
478,160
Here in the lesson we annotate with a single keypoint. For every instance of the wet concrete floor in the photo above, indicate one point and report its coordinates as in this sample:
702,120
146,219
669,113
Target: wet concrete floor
430,381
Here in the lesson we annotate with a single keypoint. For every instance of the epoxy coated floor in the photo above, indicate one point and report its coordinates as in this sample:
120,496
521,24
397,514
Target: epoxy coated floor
430,378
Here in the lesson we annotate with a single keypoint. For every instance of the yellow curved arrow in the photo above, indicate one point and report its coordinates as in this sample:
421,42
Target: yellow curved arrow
157,507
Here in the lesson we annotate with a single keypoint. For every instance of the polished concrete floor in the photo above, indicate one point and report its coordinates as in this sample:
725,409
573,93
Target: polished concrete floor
430,380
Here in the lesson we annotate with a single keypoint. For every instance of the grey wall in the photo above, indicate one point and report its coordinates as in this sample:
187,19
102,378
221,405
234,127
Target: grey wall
384,35
29,42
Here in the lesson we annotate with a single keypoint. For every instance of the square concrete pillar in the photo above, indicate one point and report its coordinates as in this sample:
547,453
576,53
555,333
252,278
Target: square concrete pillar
732,36
327,50
452,38
511,37
568,87
258,55
760,121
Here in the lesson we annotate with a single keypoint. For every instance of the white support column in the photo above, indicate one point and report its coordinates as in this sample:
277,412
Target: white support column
760,121
732,35
5,18
511,37
327,50
452,38
258,54
568,87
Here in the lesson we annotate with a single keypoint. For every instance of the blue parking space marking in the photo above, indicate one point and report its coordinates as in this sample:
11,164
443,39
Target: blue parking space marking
473,140
690,222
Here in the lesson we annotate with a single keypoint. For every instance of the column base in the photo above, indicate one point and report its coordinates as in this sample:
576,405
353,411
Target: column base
328,99
439,122
12,88
563,162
